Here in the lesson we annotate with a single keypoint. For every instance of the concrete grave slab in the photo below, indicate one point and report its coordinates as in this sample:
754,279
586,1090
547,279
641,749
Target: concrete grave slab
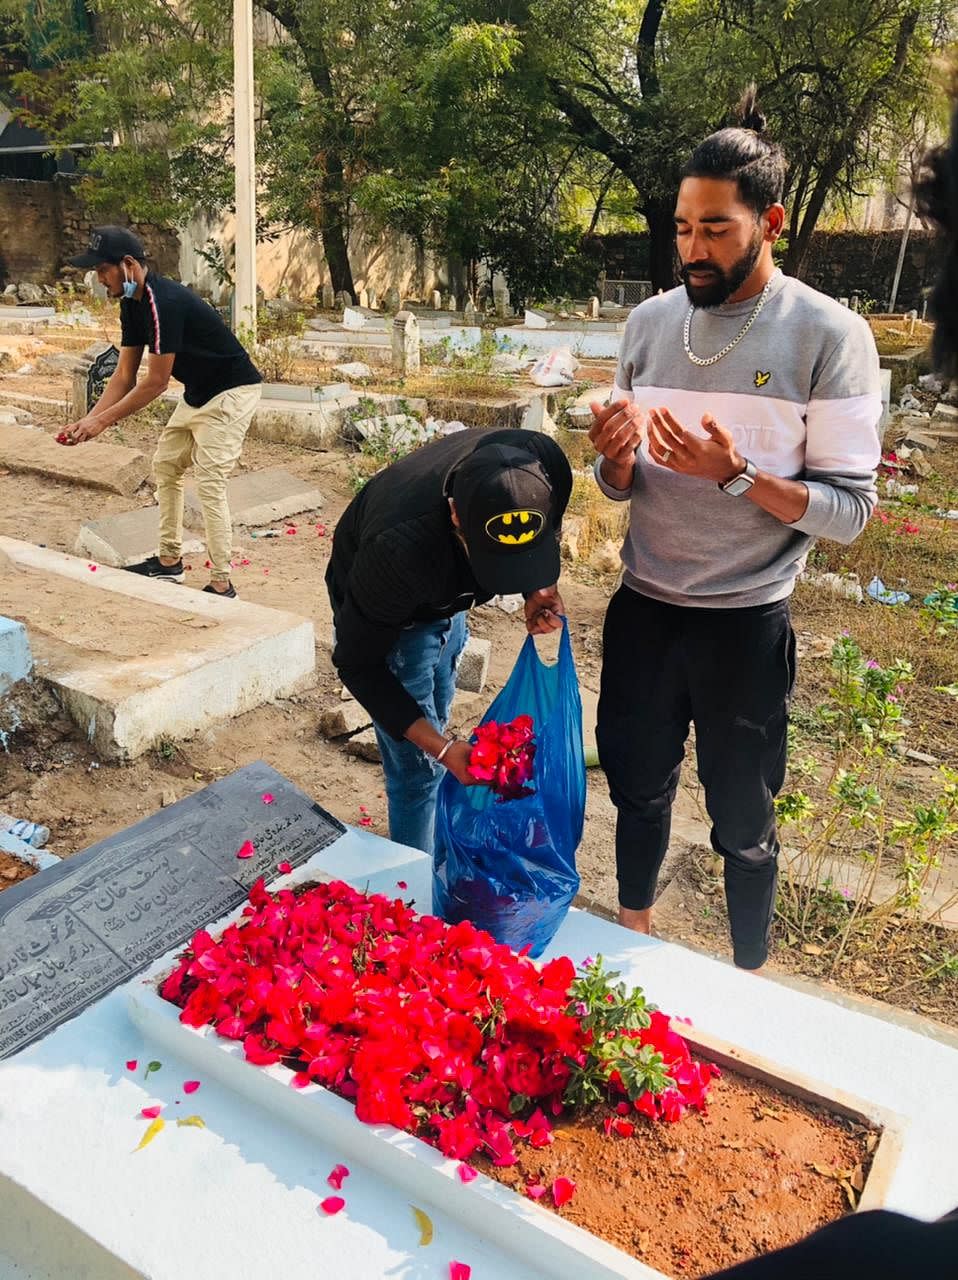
70,1102
16,660
134,661
473,670
259,497
96,465
127,538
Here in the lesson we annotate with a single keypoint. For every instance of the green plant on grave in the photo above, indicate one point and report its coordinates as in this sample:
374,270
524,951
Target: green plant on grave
939,611
382,447
274,357
859,862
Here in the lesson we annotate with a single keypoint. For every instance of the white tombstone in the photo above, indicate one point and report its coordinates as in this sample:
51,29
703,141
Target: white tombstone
535,320
593,308
451,303
404,338
502,302
470,308
364,298
353,319
328,297
344,299
435,300
372,300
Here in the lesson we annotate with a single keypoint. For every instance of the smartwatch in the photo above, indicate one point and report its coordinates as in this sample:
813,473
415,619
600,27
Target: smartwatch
741,483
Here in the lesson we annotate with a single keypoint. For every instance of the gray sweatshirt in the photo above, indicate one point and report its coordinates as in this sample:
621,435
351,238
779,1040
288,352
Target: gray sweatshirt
800,395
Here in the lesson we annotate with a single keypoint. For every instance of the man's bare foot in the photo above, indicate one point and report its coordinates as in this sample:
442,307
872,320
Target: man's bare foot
637,921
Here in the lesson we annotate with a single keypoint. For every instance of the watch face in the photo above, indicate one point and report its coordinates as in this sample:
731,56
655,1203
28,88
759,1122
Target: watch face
741,484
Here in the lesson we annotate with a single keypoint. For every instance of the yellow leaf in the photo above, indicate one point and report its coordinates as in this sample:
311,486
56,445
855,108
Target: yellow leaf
850,1194
424,1223
155,1127
858,1178
195,1121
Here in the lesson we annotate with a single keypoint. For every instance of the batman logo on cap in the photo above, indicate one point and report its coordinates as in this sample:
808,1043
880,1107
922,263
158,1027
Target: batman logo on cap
514,528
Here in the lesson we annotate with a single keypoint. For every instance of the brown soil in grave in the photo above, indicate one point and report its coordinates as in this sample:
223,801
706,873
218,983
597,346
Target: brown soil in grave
710,1191
12,870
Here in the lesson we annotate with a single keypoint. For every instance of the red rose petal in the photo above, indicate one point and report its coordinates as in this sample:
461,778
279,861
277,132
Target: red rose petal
467,1173
335,1179
246,850
563,1189
285,868
208,564
459,1271
190,1086
131,1065
150,1113
623,1108
401,884
266,571
535,1191
332,1204
624,1128
92,568
291,529
268,797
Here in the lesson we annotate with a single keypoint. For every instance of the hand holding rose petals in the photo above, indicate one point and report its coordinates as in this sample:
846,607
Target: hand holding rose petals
503,757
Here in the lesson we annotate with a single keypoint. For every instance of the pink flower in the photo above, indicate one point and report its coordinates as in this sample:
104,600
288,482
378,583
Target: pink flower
466,1172
335,1179
332,1204
563,1189
246,850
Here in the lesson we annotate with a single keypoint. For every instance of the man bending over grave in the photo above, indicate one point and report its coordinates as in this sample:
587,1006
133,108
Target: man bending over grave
185,339
464,518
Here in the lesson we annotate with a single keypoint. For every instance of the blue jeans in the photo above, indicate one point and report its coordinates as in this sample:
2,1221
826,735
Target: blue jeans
423,660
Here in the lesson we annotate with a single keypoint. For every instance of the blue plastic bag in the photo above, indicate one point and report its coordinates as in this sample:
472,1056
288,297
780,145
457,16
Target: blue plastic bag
510,867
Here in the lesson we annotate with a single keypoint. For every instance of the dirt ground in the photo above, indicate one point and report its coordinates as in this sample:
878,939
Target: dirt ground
50,775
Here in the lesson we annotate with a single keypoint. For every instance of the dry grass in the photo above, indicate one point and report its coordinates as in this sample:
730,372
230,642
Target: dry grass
892,337
600,519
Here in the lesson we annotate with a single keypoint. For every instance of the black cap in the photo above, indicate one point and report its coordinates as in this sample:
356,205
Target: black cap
506,510
110,244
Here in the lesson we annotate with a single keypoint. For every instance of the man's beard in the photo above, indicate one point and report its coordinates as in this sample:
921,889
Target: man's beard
724,283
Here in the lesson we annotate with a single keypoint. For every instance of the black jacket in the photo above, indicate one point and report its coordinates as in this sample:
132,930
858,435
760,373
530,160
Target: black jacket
396,561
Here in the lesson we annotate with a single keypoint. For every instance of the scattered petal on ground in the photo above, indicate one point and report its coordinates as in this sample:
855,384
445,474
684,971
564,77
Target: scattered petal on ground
332,1204
563,1189
535,1191
285,868
335,1179
401,884
459,1271
246,849
155,1128
190,1086
131,1065
150,1113
467,1173
268,797
424,1223
191,1122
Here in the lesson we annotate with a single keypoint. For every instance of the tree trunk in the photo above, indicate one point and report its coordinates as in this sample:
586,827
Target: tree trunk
660,215
332,227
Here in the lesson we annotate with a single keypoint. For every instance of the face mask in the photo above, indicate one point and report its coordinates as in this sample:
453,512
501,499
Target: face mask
129,286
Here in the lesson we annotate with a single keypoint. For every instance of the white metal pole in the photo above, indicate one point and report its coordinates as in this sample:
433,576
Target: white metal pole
244,158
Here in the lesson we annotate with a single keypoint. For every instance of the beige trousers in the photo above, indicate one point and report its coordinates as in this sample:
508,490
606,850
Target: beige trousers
211,438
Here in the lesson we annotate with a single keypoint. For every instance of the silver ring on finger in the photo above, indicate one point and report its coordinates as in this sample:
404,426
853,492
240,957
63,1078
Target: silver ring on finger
666,454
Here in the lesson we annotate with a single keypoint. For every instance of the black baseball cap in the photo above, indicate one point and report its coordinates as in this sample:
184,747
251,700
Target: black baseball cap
506,510
110,244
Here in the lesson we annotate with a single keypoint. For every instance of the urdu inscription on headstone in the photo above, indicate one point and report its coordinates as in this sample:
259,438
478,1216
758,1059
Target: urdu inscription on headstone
73,933
99,374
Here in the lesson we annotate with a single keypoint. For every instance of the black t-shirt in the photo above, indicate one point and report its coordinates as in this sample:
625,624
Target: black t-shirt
171,320
396,561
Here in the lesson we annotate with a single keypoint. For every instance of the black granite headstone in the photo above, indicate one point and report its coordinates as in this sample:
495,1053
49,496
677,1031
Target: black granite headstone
76,931
99,374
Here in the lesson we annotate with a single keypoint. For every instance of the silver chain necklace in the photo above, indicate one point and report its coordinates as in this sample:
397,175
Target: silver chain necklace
720,355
